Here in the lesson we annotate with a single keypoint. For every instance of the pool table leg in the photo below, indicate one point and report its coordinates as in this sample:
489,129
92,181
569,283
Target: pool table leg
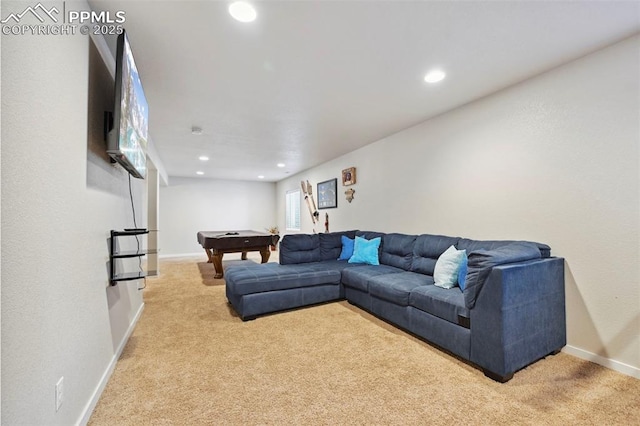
265,252
209,255
216,258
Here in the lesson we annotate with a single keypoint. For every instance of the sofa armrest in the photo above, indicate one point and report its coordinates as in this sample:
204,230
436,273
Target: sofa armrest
481,261
519,316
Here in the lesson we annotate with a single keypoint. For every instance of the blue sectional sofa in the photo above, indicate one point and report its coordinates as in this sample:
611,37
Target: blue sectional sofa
510,314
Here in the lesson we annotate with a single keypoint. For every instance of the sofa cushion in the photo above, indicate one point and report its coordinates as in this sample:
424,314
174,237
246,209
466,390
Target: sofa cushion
473,245
299,248
397,287
480,263
331,244
339,265
366,251
447,269
359,275
397,250
272,276
426,251
443,303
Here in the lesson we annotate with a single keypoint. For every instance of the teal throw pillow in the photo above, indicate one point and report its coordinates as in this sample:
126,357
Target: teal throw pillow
447,269
347,248
365,251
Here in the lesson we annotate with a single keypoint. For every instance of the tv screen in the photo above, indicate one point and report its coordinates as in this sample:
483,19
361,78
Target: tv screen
127,139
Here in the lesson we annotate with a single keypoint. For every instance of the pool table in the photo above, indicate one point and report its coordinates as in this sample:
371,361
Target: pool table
217,243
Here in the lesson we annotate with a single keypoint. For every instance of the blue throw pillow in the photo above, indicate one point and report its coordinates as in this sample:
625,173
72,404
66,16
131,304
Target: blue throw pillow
347,248
462,274
366,251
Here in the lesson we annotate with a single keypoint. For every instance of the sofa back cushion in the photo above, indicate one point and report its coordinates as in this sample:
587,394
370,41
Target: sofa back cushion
369,235
331,244
426,251
397,250
473,245
300,248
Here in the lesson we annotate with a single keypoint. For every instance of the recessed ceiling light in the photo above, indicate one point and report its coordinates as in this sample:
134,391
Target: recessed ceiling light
434,76
203,158
280,165
199,173
195,130
242,11
260,177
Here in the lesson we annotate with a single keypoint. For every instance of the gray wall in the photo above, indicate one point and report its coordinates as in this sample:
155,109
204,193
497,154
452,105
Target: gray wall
553,159
60,198
189,205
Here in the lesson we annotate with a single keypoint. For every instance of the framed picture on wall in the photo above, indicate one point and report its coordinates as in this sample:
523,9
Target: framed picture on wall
349,176
328,194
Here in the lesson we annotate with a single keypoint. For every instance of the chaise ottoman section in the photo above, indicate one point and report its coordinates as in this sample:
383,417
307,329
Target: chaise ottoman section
273,287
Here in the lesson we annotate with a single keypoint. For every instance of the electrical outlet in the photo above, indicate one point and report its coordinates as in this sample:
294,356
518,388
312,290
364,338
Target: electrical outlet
59,392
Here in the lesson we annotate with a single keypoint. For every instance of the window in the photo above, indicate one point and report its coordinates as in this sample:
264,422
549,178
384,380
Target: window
292,212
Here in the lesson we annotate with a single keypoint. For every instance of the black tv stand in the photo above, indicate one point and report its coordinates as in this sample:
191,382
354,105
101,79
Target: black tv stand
114,276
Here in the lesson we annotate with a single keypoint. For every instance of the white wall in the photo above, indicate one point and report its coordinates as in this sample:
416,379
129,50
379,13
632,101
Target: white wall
191,205
60,198
554,159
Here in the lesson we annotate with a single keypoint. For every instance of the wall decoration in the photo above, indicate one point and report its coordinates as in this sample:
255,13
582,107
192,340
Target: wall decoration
349,193
327,194
307,190
349,176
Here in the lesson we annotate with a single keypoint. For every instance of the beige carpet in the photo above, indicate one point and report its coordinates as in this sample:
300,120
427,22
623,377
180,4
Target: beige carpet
191,360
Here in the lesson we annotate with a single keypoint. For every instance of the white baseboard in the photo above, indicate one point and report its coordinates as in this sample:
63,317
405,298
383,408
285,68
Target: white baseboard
618,366
167,256
93,401
203,255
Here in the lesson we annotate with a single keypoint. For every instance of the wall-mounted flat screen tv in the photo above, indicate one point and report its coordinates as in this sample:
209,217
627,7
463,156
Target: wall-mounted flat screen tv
127,137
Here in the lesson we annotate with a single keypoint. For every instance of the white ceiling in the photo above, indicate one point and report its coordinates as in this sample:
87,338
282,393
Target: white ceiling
309,81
